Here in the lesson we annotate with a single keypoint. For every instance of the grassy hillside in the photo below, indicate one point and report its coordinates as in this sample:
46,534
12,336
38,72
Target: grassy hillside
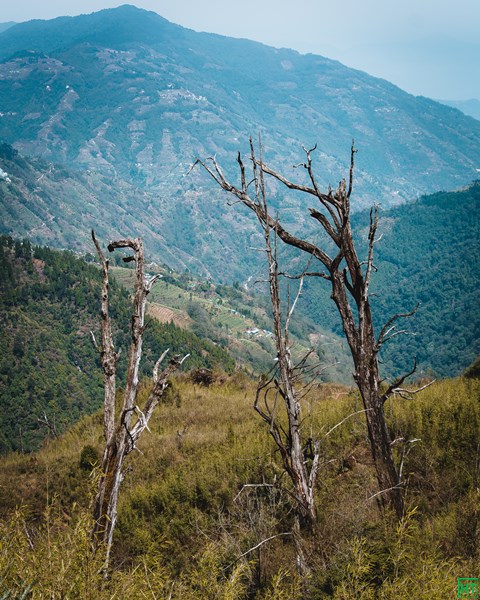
49,303
186,519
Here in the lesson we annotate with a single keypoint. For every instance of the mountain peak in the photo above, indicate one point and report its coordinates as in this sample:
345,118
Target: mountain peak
124,24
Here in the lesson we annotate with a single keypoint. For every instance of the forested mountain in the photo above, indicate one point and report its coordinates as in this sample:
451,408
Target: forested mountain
49,303
131,100
50,204
101,118
427,257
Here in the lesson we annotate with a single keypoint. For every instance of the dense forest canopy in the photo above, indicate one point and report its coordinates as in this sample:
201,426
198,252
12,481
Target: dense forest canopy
427,257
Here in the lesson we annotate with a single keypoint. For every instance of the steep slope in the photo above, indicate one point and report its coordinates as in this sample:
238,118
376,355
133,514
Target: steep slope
428,253
428,256
54,205
185,513
128,94
51,204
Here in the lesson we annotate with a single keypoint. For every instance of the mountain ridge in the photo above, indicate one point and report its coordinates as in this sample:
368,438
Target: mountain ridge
211,89
135,115
44,35
469,107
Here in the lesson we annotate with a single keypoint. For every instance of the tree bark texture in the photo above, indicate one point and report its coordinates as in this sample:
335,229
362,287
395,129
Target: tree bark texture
122,430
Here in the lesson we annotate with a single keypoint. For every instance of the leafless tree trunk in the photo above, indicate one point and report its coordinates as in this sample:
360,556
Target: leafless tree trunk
121,434
291,442
349,279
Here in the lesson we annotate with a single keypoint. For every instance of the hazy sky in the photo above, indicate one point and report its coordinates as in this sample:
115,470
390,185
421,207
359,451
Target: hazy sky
427,47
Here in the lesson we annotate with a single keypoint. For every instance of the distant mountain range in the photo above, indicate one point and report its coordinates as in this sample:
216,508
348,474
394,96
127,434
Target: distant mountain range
128,101
126,92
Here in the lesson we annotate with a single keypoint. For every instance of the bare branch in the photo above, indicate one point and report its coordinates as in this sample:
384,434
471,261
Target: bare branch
386,491
408,394
272,537
324,222
253,485
352,166
397,384
50,426
149,283
314,467
157,365
292,309
358,412
405,452
265,219
394,333
158,389
371,242
94,342
134,243
289,184
184,359
327,200
308,152
142,418
386,328
242,173
305,274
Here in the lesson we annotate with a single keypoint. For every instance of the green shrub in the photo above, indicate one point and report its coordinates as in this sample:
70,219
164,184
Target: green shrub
88,458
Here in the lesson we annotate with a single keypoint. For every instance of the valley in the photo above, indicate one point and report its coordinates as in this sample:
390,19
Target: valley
313,463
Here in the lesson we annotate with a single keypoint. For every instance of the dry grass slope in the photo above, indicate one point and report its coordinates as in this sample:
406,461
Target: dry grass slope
185,516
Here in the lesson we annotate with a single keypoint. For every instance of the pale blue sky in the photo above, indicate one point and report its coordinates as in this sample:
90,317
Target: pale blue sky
427,47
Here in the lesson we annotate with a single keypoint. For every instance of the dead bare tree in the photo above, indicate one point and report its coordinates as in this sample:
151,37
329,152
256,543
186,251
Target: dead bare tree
51,427
349,278
300,453
292,443
121,433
